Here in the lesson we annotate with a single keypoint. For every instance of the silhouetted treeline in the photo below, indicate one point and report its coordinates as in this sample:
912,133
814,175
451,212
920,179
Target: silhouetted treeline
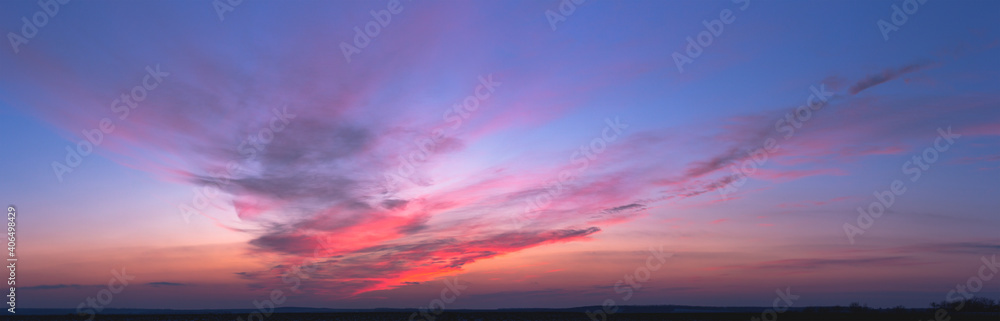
975,309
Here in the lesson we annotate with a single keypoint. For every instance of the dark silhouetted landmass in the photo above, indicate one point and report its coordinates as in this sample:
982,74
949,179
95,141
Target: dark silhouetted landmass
625,313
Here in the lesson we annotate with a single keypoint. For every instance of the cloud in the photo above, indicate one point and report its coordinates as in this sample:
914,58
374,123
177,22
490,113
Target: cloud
813,203
618,209
159,284
389,265
822,263
953,247
59,286
884,76
320,183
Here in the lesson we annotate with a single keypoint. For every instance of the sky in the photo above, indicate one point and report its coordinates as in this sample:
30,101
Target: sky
364,154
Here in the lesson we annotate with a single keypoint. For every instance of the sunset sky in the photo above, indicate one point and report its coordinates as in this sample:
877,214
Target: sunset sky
538,154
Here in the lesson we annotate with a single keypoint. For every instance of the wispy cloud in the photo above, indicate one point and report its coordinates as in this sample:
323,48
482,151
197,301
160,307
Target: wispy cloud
160,284
886,75
59,286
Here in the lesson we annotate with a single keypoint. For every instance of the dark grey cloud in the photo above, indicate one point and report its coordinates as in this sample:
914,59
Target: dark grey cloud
59,286
159,284
884,76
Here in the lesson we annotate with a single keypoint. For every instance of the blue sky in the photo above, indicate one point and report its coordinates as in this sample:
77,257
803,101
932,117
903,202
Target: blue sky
665,178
